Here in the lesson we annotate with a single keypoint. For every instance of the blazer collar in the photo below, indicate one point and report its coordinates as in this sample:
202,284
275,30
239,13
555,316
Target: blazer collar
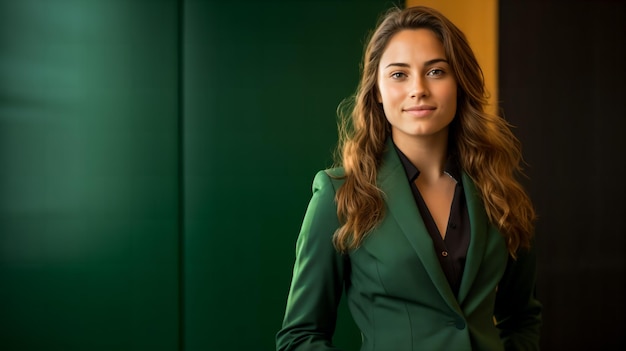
393,182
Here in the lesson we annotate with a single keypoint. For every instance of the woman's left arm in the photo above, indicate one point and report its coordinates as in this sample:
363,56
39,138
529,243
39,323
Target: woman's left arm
517,310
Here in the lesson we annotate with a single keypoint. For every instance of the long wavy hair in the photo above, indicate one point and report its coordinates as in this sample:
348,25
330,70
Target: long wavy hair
488,151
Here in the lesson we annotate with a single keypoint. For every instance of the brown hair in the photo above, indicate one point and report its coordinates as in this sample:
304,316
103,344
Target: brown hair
488,151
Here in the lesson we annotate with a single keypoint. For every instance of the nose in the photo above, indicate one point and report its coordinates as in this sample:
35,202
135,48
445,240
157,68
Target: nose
419,88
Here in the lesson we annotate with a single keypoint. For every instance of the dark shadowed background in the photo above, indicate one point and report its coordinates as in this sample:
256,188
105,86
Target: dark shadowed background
563,84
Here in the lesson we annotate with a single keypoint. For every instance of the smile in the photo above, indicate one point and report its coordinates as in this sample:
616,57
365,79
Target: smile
420,111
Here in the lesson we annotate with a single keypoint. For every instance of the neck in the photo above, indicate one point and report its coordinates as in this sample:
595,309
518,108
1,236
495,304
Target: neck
428,154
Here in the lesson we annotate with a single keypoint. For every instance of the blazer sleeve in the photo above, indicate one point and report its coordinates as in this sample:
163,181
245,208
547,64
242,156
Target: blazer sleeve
517,310
318,276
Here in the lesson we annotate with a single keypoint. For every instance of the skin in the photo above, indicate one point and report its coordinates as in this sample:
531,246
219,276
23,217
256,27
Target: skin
418,91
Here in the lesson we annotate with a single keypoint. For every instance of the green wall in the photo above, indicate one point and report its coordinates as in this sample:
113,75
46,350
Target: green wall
156,159
88,182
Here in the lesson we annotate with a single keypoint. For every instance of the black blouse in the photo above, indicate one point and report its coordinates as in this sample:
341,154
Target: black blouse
451,251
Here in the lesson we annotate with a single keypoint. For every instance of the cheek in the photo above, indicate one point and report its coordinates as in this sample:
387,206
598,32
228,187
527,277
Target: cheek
449,96
388,113
452,99
389,93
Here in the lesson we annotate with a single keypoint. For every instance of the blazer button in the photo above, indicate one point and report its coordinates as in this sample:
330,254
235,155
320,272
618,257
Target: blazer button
444,253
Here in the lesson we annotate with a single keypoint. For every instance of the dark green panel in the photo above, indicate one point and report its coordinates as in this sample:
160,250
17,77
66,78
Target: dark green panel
262,83
88,175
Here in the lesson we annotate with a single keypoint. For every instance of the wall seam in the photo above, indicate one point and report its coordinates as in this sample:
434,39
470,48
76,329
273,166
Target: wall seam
180,9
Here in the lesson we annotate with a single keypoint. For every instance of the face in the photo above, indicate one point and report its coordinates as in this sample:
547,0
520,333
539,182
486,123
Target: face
416,86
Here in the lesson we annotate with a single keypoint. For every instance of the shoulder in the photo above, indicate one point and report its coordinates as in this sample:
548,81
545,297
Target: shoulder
336,172
331,178
320,219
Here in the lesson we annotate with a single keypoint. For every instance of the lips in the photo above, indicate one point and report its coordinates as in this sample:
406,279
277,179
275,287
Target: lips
420,111
419,108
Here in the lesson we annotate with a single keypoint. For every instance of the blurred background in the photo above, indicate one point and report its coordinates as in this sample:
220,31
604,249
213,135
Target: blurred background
156,159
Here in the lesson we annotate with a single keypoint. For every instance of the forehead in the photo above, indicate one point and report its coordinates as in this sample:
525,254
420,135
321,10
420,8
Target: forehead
413,45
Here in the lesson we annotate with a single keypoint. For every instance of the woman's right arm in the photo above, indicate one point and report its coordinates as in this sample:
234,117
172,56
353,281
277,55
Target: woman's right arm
318,276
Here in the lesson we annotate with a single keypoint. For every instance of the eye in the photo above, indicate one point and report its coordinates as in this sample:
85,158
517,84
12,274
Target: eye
435,72
398,75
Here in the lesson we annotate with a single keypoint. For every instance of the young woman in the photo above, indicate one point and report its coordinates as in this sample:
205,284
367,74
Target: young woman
424,225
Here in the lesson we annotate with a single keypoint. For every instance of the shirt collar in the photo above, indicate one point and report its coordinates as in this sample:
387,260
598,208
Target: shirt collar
451,168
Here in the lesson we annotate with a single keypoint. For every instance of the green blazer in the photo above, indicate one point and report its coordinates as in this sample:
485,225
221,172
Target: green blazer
397,292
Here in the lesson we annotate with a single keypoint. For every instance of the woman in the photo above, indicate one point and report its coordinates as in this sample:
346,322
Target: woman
424,224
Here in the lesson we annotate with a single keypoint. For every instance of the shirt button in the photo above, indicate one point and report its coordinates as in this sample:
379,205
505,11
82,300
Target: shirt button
452,225
444,253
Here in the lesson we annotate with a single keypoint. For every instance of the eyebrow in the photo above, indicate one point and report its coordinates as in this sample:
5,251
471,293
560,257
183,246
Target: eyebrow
427,63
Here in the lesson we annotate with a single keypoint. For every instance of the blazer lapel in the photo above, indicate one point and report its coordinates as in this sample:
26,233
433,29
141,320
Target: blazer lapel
401,205
478,229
